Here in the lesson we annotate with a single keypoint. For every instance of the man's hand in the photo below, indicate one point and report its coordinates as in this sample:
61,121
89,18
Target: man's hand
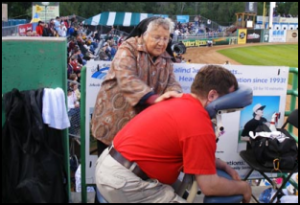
167,95
229,170
247,194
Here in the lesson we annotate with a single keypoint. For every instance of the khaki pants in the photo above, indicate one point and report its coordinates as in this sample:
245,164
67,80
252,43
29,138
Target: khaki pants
118,184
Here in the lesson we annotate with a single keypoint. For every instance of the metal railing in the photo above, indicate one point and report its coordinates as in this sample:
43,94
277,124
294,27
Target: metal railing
294,95
10,31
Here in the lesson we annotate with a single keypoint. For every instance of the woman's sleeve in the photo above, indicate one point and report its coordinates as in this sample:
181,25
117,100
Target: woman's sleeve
126,72
173,84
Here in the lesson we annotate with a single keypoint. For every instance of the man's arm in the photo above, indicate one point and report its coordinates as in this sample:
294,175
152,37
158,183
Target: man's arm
228,169
213,185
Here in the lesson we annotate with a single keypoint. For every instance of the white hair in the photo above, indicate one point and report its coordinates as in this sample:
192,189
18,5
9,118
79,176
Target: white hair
166,23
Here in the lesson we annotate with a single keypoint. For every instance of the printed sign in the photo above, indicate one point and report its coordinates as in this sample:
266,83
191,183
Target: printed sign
292,36
277,35
242,36
24,28
269,85
183,18
45,12
253,36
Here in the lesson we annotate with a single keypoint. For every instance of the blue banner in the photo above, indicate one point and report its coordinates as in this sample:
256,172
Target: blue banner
183,18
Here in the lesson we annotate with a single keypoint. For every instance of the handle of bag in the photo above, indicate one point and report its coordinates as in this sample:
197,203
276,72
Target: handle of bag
276,164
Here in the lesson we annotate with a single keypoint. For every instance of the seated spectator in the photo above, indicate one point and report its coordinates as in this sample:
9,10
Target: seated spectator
76,66
113,51
105,53
227,62
46,30
74,87
39,28
63,30
73,111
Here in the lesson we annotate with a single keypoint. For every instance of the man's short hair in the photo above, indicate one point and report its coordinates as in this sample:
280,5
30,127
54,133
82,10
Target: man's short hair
213,77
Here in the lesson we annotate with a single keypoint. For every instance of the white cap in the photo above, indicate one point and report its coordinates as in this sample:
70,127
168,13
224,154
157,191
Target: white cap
258,107
105,44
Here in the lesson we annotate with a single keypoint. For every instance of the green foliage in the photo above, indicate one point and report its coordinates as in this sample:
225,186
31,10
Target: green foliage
221,12
18,10
294,8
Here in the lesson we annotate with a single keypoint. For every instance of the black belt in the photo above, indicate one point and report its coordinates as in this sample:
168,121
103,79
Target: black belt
126,163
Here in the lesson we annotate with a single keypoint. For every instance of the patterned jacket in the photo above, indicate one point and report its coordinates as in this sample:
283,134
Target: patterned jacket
131,76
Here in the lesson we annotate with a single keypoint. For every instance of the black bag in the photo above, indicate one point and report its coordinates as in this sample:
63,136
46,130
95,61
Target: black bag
271,153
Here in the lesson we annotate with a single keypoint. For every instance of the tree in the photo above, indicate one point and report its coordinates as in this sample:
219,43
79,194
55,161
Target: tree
18,10
294,9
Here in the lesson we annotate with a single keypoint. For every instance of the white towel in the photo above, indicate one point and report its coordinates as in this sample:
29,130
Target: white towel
54,109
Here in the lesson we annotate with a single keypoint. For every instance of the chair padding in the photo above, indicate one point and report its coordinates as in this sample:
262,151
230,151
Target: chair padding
237,99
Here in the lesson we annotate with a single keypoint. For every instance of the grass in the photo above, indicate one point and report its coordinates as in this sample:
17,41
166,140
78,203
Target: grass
269,55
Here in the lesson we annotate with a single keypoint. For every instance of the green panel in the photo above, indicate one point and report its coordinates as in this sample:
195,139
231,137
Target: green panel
34,62
82,132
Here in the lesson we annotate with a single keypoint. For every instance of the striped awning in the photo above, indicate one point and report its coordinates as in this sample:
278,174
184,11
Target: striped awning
118,18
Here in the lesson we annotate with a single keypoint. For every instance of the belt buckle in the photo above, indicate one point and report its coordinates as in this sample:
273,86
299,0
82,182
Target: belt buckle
132,166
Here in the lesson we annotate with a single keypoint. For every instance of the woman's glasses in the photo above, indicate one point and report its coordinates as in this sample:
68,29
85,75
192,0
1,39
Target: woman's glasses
157,39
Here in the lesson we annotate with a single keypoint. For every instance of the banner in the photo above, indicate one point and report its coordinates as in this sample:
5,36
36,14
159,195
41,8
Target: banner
288,20
24,28
45,12
253,36
183,18
269,84
292,36
216,41
277,35
242,36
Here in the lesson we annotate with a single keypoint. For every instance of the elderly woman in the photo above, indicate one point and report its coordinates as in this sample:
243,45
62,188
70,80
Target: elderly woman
140,75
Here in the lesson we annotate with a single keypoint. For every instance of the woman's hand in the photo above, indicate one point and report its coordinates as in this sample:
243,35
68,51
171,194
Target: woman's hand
167,95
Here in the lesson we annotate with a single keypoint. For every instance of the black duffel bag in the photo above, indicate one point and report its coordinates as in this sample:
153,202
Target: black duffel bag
272,153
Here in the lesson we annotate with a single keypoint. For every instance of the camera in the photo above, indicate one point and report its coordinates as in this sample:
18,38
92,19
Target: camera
178,48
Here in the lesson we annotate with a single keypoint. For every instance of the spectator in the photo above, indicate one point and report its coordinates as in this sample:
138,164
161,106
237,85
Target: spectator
73,111
63,30
105,53
76,66
46,30
165,139
74,87
227,62
113,51
141,71
39,28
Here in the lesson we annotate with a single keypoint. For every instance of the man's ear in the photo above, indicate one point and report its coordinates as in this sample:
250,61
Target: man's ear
212,95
